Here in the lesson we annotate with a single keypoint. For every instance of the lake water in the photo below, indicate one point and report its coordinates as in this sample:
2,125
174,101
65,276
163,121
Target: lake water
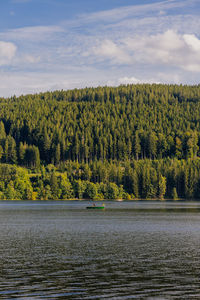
131,250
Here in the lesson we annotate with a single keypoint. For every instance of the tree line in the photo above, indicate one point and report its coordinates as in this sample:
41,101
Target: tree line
138,179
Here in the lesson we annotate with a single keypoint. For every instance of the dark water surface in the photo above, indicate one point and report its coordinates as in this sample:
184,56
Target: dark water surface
132,250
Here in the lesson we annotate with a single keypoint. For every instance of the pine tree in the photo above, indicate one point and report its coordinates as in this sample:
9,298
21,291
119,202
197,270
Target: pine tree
22,151
161,187
54,186
136,146
57,154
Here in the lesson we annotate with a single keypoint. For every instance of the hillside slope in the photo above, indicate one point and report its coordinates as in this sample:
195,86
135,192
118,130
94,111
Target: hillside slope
143,138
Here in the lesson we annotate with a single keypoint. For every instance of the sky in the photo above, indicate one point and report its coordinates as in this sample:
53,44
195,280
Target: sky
48,45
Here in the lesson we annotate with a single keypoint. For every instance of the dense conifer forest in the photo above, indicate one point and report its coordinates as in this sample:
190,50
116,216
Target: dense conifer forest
130,142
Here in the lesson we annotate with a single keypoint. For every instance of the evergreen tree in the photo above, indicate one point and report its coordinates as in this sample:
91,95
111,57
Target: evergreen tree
57,154
161,187
54,186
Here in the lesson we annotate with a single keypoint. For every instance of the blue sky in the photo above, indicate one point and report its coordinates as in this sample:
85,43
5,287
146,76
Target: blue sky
64,44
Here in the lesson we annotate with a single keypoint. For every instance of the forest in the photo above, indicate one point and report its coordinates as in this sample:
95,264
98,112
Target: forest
128,142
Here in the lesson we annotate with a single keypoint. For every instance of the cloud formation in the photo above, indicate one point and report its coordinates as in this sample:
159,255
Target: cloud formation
108,49
120,13
168,48
7,52
31,33
192,41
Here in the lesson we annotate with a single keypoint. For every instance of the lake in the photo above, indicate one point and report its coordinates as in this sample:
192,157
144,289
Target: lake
131,250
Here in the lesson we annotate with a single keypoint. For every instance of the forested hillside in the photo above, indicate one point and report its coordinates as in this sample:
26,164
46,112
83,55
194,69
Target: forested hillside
131,141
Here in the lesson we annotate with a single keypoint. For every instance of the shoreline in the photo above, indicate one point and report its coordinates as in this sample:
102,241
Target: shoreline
105,200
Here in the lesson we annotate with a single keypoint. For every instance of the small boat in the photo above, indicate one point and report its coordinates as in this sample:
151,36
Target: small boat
95,207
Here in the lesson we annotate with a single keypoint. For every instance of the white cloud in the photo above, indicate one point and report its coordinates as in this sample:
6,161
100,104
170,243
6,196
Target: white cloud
192,41
31,33
108,49
130,80
160,48
123,80
7,52
31,59
117,14
169,48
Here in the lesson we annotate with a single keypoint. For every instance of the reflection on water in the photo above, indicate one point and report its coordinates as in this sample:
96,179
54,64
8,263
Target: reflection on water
132,250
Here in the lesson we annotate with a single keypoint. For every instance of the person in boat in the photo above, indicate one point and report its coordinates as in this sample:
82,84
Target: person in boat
93,204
